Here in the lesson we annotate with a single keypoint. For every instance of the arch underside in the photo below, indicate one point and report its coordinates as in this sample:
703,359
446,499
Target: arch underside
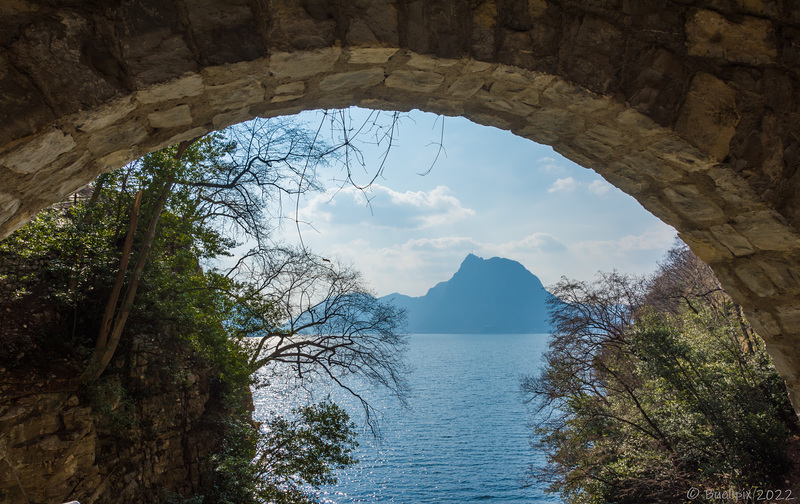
690,111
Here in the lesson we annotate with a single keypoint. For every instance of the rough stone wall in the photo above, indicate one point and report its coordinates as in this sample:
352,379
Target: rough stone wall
691,106
57,446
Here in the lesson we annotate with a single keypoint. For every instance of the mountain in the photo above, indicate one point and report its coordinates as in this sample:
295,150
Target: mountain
485,296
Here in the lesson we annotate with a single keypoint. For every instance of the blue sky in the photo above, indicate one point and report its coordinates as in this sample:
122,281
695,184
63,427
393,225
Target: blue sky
489,193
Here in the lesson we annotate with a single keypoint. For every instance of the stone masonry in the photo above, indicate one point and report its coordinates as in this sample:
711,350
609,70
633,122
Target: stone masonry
690,106
56,446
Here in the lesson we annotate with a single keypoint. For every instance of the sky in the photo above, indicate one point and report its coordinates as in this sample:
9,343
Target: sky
486,192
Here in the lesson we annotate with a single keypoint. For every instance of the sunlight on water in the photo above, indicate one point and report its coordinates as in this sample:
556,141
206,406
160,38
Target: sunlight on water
464,437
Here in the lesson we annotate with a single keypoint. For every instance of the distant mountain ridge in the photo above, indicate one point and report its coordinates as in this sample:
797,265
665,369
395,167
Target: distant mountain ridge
485,296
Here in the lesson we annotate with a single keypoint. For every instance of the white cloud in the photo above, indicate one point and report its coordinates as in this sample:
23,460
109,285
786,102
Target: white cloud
384,207
599,187
659,237
551,165
563,184
442,243
538,242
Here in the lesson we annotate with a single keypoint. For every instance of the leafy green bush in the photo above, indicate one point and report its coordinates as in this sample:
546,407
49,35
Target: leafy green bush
283,461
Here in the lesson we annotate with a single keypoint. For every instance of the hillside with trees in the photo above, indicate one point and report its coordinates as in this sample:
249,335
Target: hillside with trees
656,386
124,286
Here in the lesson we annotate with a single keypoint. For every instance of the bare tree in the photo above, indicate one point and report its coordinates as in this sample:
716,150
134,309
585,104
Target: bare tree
233,184
317,317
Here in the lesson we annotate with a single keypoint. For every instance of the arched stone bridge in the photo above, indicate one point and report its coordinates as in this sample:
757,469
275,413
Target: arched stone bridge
690,106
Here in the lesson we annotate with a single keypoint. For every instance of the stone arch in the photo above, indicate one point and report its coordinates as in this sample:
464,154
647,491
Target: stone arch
689,107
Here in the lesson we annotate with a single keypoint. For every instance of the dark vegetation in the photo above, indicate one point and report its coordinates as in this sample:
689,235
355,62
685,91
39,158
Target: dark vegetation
655,386
139,253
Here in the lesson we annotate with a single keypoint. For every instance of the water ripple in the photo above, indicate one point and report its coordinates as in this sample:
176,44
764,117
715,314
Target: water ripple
464,438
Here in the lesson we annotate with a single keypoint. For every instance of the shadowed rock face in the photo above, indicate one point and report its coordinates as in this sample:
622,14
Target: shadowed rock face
691,107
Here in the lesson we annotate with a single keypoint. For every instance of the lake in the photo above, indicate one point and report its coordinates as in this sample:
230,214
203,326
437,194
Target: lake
465,436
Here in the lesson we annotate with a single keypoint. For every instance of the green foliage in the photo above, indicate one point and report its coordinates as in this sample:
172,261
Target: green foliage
647,396
75,255
112,402
728,401
284,461
214,192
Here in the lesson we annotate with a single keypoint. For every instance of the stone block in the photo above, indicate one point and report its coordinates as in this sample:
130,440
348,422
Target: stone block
492,120
763,322
648,163
502,105
558,122
517,88
105,116
425,62
567,150
482,36
632,120
8,204
466,86
376,23
445,107
619,174
115,159
677,151
781,272
67,174
730,281
695,206
789,319
289,91
190,84
301,65
117,137
473,66
592,146
417,81
221,121
38,152
160,57
257,69
708,117
766,230
56,54
750,41
235,95
371,55
171,118
754,277
352,80
225,32
706,247
735,190
736,243
538,133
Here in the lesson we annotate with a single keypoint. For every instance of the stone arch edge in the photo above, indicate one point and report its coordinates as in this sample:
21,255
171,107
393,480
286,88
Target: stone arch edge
683,183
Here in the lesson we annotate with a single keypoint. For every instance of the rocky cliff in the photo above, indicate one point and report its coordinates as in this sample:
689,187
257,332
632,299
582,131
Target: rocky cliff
135,436
140,433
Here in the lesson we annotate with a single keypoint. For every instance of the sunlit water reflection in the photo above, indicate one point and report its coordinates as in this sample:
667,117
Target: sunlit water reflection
464,437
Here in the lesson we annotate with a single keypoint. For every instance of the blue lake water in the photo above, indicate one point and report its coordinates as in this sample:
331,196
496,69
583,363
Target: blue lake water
464,437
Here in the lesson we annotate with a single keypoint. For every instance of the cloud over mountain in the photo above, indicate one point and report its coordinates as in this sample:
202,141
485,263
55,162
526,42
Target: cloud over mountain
380,206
